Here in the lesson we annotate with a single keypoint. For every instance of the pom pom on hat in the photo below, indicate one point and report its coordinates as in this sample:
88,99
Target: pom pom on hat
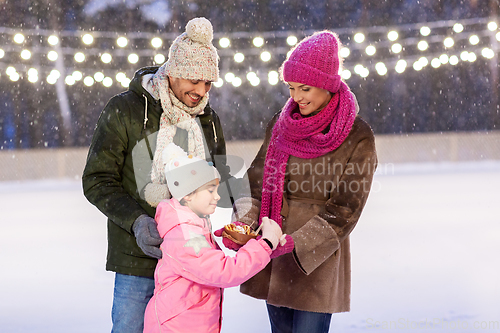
192,55
155,193
315,61
200,30
185,174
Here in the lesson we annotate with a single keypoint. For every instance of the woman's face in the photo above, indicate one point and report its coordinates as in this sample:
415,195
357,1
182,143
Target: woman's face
310,99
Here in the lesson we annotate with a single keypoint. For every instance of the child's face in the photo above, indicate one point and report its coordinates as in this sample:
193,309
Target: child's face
204,201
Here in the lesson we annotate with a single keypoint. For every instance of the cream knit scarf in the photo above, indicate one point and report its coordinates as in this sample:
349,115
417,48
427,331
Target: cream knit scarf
175,115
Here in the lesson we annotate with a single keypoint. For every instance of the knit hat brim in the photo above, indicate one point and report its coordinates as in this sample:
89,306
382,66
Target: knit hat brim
210,72
188,178
299,72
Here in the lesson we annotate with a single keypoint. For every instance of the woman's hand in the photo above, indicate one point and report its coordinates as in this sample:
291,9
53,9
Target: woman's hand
285,246
271,231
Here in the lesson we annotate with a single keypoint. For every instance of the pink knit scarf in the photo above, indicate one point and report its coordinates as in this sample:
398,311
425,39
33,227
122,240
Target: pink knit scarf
294,134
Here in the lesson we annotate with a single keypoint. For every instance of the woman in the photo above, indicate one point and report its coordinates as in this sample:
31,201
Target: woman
312,175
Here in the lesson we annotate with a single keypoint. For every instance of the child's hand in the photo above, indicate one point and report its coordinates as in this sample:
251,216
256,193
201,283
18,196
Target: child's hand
226,241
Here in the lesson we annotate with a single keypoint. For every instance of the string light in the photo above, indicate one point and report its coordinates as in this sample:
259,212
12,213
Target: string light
133,58
77,75
19,38
265,56
253,79
88,81
32,75
436,63
87,39
359,37
381,68
370,50
99,76
159,58
291,40
449,42
492,26
121,41
344,52
239,57
396,48
107,82
53,40
273,78
224,42
156,42
258,41
79,57
392,35
475,34
106,58
229,77
474,39
14,77
346,74
69,80
218,83
425,31
454,60
487,53
52,55
458,27
236,82
423,61
25,54
423,45
401,66
464,55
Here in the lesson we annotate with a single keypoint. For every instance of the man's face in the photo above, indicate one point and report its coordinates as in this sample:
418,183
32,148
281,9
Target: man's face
189,92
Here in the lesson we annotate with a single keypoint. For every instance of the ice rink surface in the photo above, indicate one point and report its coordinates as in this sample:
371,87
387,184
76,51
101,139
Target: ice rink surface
424,257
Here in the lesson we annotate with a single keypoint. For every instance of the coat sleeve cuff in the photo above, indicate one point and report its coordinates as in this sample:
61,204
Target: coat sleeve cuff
265,245
315,242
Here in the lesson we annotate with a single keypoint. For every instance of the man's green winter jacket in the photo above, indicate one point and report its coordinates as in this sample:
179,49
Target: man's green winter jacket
116,173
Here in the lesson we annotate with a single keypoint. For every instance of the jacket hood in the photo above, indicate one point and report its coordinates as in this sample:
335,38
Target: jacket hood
177,213
136,83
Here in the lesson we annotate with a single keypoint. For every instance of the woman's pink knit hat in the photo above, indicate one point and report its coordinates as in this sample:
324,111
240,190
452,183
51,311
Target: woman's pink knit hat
315,61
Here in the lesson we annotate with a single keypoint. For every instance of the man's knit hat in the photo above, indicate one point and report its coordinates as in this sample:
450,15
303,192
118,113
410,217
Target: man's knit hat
184,173
192,55
315,61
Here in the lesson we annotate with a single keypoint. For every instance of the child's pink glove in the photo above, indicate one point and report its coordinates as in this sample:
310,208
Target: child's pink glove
286,245
227,242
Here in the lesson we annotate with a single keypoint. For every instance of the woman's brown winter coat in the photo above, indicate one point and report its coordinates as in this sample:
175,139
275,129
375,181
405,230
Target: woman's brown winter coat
324,198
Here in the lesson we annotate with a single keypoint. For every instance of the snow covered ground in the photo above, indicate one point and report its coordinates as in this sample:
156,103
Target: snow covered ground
424,257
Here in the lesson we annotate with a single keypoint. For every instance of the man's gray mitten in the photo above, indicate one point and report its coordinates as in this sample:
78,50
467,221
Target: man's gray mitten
147,236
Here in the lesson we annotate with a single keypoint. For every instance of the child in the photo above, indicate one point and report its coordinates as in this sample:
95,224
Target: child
193,270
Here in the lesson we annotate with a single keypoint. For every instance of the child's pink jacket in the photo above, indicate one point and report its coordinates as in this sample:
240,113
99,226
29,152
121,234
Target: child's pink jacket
189,277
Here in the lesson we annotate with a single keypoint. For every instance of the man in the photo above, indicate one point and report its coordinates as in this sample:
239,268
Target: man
124,176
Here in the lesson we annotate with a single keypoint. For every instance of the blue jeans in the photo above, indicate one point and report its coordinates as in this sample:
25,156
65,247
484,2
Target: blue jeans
130,298
286,320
